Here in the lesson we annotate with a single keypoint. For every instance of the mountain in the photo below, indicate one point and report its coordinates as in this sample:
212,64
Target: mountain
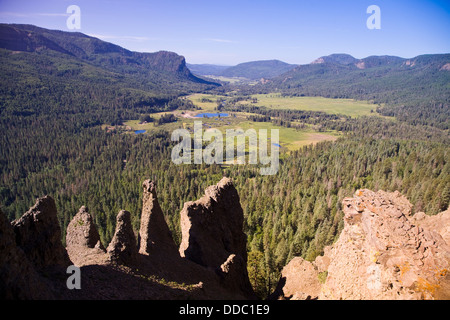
340,58
256,70
382,79
29,38
207,69
55,72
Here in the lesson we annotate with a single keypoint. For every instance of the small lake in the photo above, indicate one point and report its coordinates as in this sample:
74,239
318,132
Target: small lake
211,115
140,131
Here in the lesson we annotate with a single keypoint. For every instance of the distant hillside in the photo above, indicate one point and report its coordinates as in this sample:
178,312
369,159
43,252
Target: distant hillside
48,71
382,79
207,69
341,58
256,70
415,90
29,38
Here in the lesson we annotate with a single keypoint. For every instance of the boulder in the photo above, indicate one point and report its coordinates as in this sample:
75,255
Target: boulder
299,281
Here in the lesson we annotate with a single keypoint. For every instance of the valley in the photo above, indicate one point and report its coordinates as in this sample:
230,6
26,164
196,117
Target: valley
290,138
87,122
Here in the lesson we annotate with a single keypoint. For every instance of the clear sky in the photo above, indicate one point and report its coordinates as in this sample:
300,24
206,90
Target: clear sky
229,32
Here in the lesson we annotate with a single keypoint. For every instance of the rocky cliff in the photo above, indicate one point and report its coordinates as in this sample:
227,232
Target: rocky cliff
383,252
34,262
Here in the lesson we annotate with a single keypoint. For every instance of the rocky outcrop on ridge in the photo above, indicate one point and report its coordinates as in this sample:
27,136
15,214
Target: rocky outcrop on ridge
34,261
382,253
82,231
439,223
211,227
212,234
18,277
299,281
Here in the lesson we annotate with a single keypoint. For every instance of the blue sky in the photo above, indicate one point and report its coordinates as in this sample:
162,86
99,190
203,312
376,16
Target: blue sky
231,32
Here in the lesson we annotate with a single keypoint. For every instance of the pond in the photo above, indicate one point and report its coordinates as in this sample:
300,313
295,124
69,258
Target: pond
140,131
211,115
276,145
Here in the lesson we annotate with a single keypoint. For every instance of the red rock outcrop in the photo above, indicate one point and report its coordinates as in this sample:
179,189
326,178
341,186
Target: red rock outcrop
439,223
299,281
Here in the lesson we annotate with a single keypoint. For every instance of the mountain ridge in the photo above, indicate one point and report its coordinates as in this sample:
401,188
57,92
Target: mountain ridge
417,81
30,38
252,70
67,73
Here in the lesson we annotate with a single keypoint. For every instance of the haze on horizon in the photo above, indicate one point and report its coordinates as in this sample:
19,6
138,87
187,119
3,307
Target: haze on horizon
234,32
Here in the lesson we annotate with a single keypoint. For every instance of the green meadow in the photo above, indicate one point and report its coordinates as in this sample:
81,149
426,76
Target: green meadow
290,138
347,107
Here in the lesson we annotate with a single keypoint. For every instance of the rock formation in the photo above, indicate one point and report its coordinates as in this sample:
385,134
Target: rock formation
212,234
439,223
382,253
123,248
296,287
82,239
211,227
18,277
154,234
33,260
38,234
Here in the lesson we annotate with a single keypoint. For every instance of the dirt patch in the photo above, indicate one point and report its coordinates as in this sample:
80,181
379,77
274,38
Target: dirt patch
313,138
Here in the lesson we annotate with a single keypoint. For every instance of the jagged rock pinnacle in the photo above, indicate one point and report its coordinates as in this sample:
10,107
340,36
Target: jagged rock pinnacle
154,234
122,248
212,234
38,234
